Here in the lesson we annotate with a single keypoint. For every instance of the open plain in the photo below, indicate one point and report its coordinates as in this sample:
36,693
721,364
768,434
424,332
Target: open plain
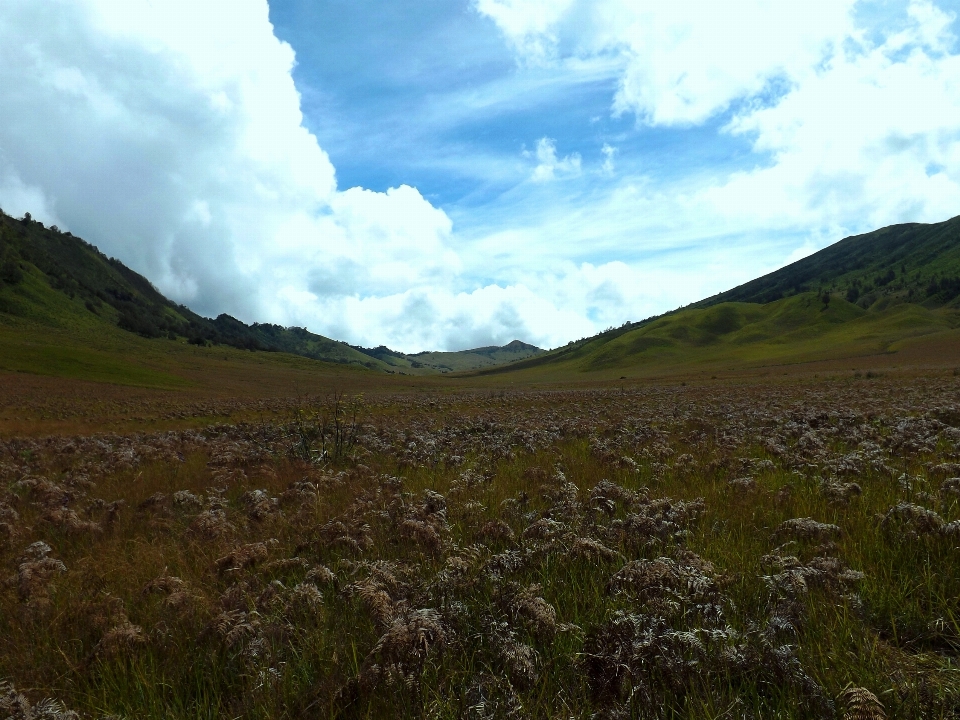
779,542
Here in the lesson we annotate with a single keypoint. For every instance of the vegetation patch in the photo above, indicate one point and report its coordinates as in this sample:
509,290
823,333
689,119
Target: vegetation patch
755,550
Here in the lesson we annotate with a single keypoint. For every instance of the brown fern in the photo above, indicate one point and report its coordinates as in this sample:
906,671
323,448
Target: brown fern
861,704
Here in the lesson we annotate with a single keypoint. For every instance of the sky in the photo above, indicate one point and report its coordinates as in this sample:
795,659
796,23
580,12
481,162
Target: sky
448,174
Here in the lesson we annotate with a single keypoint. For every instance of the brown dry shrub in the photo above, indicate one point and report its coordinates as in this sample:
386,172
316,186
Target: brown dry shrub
67,520
119,639
35,570
587,548
259,505
839,493
15,706
912,520
496,531
536,612
245,556
211,524
860,704
742,485
424,534
950,487
805,529
349,533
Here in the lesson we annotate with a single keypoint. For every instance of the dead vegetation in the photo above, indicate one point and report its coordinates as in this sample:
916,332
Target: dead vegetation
751,552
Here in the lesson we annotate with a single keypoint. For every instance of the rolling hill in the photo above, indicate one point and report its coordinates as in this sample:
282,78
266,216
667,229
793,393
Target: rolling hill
443,362
916,262
867,294
54,279
863,295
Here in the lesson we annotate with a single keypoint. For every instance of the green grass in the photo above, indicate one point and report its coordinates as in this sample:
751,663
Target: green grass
80,363
746,335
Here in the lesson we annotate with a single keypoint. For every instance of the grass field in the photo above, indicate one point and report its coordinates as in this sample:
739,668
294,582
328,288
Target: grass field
764,546
741,511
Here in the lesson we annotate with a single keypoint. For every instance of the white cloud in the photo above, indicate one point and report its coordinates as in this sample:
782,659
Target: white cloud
529,24
682,61
549,166
19,198
171,135
854,117
874,136
609,153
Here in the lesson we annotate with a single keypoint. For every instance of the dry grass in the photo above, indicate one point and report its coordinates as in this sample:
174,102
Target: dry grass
721,551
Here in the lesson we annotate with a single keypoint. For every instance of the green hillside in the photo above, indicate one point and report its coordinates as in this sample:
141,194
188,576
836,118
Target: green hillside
443,362
916,262
792,330
863,295
57,280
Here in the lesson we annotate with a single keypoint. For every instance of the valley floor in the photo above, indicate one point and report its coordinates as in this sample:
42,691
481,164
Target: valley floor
772,542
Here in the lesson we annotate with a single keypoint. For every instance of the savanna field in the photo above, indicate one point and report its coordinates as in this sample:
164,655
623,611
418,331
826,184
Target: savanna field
742,549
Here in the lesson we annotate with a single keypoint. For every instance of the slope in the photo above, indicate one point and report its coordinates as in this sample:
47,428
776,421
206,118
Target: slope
57,280
914,261
444,362
864,295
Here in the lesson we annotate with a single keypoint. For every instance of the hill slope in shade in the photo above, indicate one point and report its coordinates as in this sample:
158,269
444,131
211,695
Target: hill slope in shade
917,262
58,280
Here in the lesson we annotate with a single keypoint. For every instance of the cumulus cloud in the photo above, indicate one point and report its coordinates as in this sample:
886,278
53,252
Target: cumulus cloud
171,135
549,166
854,118
873,135
682,61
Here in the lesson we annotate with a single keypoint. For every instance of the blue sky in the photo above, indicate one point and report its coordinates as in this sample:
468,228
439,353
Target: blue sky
445,174
436,99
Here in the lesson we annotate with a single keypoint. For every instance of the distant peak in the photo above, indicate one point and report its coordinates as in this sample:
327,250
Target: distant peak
519,345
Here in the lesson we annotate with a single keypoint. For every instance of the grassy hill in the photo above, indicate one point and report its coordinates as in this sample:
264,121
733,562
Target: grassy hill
916,262
443,362
864,295
56,280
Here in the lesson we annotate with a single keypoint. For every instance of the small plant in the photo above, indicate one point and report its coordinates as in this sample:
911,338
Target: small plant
326,430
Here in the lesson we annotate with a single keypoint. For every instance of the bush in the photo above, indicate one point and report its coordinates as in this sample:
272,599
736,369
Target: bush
136,323
882,280
10,272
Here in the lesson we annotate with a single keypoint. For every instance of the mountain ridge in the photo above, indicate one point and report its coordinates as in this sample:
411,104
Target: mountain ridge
893,283
47,275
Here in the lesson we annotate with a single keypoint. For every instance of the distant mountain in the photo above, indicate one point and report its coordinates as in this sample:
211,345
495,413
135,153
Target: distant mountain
453,361
861,295
54,278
